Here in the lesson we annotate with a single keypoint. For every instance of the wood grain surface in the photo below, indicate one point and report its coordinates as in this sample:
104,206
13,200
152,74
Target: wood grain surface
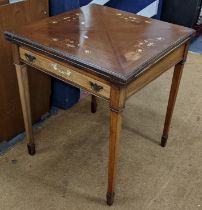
11,17
156,70
108,42
3,2
69,74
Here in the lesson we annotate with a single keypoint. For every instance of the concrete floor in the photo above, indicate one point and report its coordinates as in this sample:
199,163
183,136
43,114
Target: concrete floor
69,170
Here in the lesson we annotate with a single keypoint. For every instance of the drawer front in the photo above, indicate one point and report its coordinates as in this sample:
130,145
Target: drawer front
90,84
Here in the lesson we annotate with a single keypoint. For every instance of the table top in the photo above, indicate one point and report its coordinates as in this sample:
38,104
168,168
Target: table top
107,42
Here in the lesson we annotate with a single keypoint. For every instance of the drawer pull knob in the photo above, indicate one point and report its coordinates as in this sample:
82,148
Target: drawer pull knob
95,87
29,57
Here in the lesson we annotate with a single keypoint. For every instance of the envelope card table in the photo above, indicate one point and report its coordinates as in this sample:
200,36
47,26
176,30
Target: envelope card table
109,53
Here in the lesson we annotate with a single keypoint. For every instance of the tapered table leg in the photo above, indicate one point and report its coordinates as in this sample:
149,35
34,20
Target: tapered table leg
171,103
116,108
115,128
93,104
23,84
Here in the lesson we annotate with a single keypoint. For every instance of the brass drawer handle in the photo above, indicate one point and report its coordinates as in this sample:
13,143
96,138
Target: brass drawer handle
29,57
95,87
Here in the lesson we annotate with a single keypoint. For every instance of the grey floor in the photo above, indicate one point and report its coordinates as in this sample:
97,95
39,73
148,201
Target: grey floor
69,170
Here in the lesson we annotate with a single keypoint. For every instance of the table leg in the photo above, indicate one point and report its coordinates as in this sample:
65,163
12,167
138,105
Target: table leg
115,128
116,109
22,77
93,104
172,99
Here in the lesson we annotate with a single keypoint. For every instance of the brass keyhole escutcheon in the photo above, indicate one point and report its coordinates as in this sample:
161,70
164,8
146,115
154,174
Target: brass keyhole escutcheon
95,87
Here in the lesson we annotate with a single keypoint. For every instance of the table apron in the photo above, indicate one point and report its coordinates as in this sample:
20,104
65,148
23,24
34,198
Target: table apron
156,70
67,74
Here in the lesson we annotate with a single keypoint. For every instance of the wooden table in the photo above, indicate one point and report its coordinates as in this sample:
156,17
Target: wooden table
109,53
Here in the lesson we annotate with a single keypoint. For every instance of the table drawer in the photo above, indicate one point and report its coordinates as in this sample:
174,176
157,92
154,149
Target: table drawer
53,67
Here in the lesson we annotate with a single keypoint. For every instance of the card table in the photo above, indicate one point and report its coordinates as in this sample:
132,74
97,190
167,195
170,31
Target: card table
109,53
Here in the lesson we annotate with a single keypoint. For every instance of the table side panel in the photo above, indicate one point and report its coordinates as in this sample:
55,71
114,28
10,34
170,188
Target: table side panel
156,70
66,73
